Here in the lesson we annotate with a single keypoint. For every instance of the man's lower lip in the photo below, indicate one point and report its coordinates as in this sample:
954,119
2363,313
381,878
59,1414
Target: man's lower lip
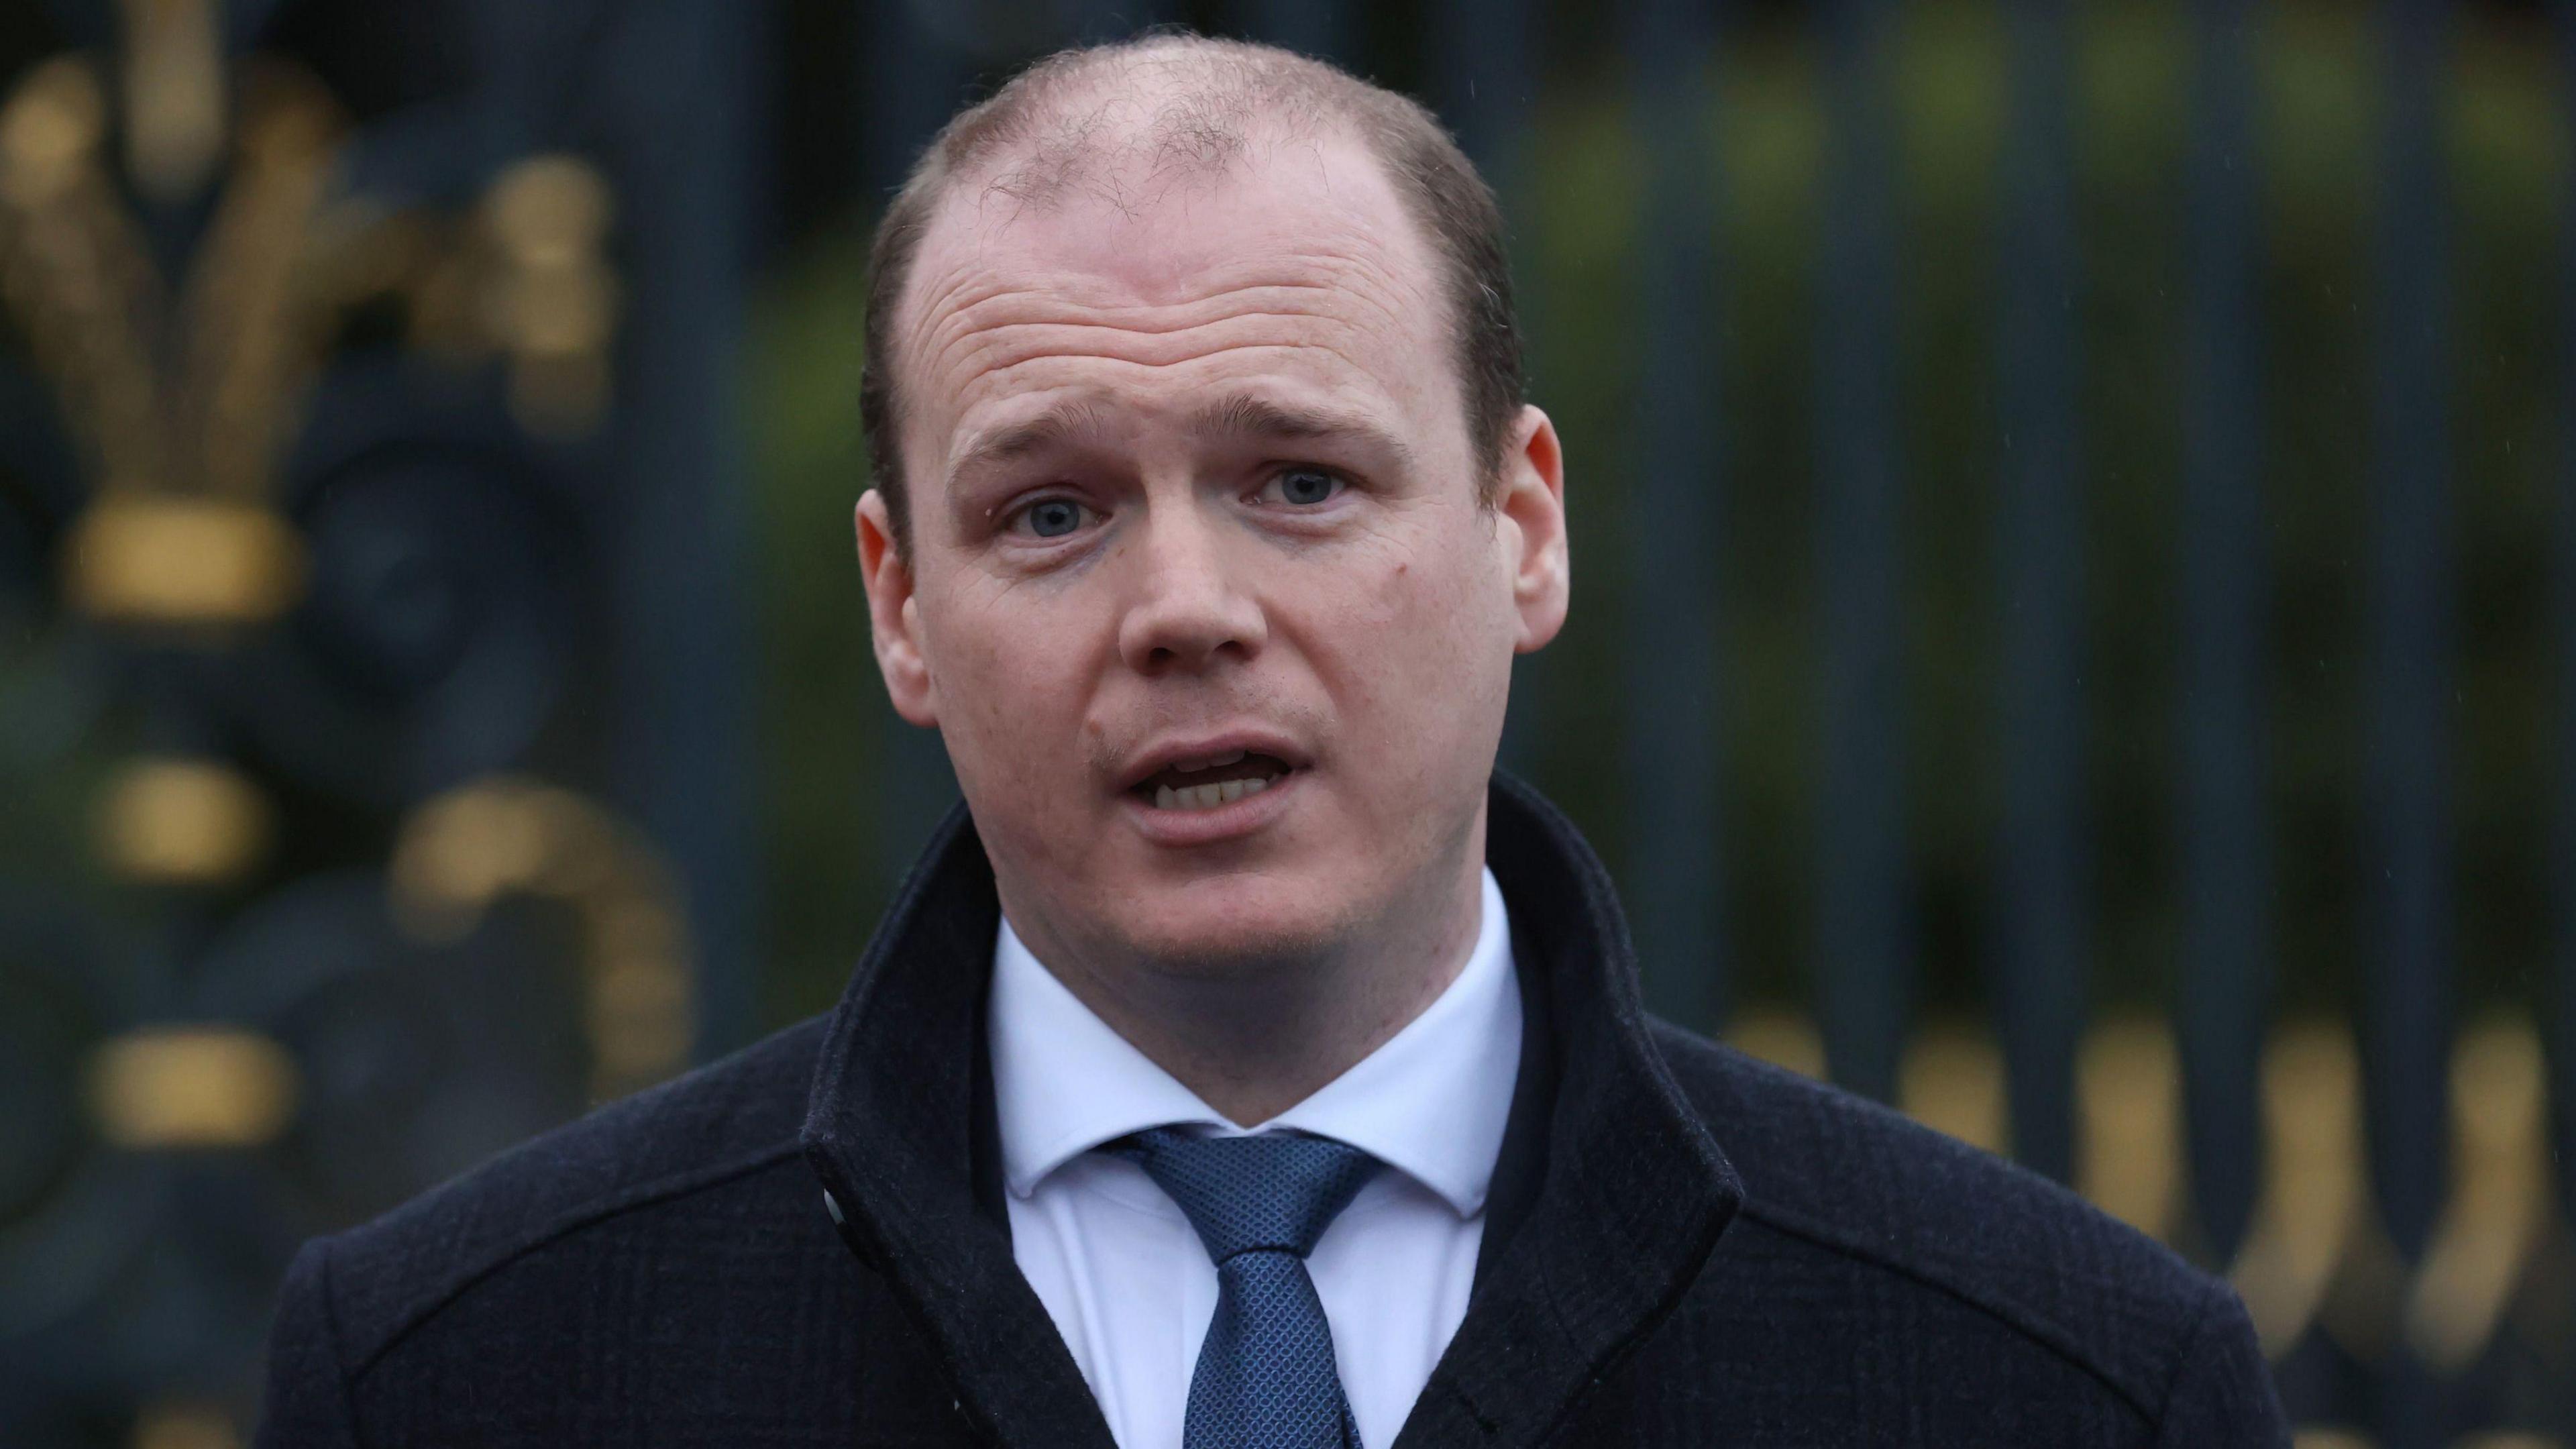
1215,822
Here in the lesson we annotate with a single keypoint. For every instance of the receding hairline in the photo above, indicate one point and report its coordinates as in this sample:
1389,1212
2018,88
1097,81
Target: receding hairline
1189,107
994,193
1190,101
1075,117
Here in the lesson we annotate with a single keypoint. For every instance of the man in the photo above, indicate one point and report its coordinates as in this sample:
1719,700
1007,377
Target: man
1246,1065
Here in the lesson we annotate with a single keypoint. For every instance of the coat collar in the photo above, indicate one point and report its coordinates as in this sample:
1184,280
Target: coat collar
1620,1197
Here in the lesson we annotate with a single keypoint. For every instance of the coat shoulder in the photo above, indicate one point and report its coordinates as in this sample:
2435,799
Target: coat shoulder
705,1132
1849,1178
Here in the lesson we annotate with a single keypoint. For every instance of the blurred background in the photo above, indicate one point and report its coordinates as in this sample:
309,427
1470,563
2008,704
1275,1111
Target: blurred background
2075,633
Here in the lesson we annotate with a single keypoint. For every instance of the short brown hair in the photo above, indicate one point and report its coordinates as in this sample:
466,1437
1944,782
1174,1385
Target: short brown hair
1242,82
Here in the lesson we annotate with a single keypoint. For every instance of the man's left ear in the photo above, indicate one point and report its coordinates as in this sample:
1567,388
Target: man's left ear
1530,501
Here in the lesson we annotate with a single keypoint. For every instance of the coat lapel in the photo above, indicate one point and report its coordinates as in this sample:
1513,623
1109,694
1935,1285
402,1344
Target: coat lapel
891,1130
1609,1197
1632,1191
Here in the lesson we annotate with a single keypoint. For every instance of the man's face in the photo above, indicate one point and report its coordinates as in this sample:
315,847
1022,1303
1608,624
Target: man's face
1200,591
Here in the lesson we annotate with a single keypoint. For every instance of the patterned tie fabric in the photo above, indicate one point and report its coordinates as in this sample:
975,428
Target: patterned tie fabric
1265,1377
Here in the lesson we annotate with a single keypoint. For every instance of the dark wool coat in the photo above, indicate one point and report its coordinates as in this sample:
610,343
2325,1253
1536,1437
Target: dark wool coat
804,1244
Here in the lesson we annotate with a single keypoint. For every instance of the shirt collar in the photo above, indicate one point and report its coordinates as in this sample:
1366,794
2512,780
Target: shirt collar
1431,1101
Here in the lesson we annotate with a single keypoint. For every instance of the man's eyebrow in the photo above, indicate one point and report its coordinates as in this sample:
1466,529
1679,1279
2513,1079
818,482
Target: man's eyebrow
1244,415
1065,422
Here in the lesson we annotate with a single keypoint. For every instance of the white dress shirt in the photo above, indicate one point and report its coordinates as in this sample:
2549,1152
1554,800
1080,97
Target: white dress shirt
1124,1275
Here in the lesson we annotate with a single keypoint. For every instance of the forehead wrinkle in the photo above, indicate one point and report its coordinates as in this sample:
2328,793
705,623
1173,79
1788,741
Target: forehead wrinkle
987,375
973,328
973,296
1026,322
973,360
1168,346
1328,277
1030,308
1001,375
1124,264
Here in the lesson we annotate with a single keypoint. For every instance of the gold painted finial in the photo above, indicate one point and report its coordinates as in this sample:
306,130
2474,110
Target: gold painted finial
174,96
48,132
192,1086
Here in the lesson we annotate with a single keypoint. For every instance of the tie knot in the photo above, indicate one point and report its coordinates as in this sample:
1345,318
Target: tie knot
1276,1191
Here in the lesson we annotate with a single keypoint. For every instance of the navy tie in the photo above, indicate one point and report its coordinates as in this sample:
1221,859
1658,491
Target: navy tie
1265,1377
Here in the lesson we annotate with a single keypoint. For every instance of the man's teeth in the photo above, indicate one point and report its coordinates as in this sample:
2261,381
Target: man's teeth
1207,797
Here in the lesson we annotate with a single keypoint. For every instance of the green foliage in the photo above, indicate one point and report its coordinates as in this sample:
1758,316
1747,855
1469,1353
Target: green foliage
822,709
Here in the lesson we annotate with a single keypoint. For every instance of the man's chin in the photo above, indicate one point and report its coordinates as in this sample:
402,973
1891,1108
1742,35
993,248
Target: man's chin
1230,935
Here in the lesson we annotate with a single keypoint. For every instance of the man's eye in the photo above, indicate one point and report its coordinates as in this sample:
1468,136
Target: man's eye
1306,487
1053,517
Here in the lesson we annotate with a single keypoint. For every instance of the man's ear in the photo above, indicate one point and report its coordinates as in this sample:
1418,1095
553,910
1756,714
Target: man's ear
894,620
1530,498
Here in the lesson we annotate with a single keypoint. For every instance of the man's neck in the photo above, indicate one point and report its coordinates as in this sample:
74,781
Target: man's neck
1253,1043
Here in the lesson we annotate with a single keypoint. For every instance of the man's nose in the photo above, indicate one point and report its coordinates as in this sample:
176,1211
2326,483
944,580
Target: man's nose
1190,608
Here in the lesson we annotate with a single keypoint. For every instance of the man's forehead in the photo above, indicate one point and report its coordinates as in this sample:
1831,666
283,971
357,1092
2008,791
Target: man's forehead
1137,231
1296,265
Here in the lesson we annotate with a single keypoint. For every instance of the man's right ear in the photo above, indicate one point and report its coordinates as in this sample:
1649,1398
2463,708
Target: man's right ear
894,619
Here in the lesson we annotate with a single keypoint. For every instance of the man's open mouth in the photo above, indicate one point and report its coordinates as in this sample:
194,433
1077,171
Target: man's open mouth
1206,784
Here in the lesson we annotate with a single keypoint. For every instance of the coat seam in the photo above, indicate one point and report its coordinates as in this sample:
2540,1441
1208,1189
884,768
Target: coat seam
2036,1332
2182,1364
341,1378
565,1224
1569,1414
